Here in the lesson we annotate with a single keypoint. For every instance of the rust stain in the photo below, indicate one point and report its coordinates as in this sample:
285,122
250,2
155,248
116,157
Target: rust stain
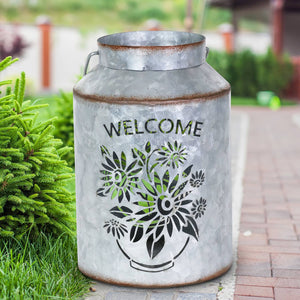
127,284
150,102
150,48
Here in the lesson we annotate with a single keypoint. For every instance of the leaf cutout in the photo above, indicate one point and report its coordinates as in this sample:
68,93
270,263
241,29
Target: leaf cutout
133,153
173,183
123,160
191,228
149,187
148,147
187,171
148,217
121,212
165,180
179,189
154,246
131,166
170,146
107,167
116,159
152,167
159,229
157,182
134,172
114,194
170,227
153,225
136,232
141,155
109,162
100,192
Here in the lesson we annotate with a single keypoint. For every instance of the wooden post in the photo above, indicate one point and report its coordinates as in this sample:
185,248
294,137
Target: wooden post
188,22
45,29
277,9
228,38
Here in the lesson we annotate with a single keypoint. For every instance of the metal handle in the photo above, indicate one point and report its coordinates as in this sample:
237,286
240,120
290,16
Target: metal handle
207,51
88,60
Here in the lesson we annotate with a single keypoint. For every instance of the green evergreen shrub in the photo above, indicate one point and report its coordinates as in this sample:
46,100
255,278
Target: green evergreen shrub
64,124
274,74
249,73
33,176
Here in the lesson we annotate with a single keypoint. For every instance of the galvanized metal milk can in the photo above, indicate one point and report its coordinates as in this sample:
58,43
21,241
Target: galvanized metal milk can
152,162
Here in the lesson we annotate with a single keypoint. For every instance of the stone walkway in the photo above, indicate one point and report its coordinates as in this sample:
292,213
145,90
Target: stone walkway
268,232
269,241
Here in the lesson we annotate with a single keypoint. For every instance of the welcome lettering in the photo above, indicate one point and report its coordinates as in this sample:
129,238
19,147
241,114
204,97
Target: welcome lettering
153,126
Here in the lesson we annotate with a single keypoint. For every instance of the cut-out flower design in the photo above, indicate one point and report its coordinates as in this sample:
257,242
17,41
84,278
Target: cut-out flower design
199,207
172,155
197,179
165,206
119,179
115,228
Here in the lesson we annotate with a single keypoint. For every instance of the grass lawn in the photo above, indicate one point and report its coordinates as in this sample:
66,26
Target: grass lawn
43,269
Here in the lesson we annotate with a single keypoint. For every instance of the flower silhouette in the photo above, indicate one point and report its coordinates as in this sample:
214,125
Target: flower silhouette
172,155
119,179
199,207
197,179
115,228
164,207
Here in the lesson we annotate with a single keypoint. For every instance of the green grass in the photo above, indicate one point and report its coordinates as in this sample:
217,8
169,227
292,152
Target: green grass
45,268
253,102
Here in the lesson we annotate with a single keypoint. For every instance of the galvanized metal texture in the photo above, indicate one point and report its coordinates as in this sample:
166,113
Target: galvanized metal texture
145,50
154,286
153,162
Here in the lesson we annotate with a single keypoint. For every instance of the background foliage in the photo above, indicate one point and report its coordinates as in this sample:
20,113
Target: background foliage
249,73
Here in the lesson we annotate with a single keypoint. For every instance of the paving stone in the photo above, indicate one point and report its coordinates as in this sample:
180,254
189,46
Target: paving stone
196,296
286,261
258,291
238,297
120,295
162,296
286,273
287,294
269,281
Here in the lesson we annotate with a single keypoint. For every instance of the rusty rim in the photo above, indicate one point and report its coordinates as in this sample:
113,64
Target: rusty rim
128,284
149,101
101,41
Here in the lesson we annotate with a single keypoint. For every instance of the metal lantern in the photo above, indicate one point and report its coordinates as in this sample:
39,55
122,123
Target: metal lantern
152,161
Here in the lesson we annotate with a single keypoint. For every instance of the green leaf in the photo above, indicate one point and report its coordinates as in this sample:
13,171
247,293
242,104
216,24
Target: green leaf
157,183
123,160
148,147
179,189
173,183
165,180
121,212
149,187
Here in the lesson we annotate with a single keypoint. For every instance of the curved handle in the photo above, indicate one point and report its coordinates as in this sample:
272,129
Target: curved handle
88,60
206,51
